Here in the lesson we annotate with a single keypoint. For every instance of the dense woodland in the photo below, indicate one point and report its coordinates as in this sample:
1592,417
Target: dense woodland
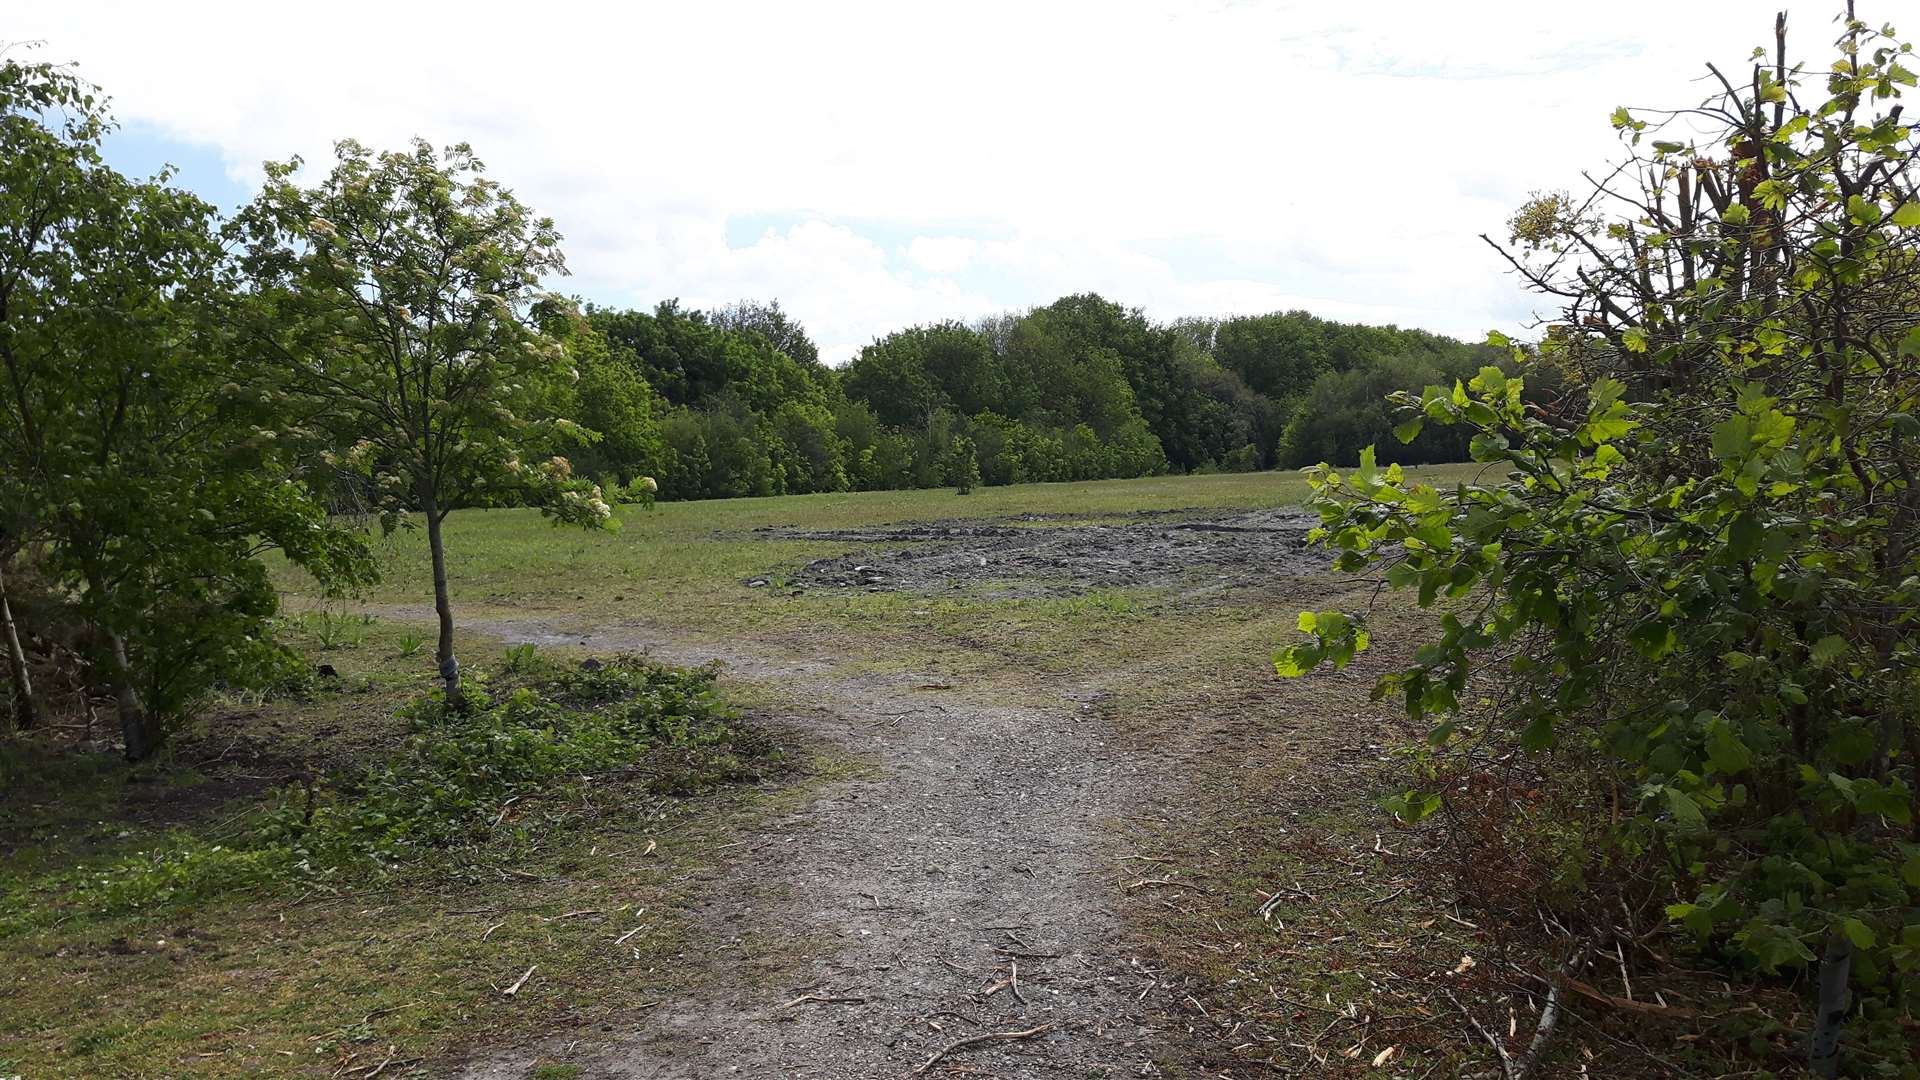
735,402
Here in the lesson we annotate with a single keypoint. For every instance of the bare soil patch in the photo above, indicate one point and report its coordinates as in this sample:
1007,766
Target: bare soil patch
860,935
1192,553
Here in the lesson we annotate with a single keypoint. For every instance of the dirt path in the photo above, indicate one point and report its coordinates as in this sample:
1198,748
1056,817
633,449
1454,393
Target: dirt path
981,841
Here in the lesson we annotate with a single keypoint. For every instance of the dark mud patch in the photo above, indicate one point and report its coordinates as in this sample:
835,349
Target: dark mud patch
1192,555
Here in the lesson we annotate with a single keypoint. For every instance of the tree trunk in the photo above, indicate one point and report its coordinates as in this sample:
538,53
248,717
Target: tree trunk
25,713
443,606
137,727
1823,1047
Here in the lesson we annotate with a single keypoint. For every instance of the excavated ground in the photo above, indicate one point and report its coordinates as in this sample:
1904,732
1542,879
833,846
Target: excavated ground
1017,557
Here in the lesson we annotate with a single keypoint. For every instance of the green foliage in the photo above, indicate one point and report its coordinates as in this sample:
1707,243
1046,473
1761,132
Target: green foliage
398,305
1693,576
963,466
444,795
1081,389
146,474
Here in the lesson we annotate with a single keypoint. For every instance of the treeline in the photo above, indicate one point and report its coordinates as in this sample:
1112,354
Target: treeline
736,402
182,390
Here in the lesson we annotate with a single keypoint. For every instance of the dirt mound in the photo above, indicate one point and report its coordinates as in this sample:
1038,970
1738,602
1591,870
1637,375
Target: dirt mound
1193,554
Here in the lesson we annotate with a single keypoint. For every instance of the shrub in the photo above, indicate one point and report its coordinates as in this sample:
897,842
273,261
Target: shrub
1692,587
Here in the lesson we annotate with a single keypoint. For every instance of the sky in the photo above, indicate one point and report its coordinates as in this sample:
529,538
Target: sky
878,165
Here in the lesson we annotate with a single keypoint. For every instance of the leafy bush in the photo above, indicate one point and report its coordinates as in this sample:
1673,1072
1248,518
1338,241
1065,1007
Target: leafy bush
1692,588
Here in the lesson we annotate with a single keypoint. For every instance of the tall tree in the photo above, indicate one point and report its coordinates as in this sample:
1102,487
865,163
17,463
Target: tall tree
398,301
146,475
782,331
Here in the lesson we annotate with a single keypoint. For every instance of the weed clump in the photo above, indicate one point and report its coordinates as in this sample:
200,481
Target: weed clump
445,793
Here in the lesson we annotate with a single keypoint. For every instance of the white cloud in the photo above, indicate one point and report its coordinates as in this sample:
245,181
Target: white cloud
940,159
943,254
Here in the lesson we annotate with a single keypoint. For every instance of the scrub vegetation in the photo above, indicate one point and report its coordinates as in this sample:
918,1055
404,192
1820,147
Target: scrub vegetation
413,671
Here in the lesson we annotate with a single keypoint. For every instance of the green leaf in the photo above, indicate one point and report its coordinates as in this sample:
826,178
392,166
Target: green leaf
1654,639
1857,932
1409,430
1725,752
1743,537
1294,661
1686,812
1413,806
1908,214
1732,437
1828,649
1863,211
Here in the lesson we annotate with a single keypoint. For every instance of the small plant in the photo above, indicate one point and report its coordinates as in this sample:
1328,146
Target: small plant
522,658
331,630
410,645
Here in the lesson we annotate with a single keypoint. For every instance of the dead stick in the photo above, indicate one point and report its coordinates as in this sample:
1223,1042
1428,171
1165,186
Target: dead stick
520,982
1015,982
1165,882
994,1036
804,998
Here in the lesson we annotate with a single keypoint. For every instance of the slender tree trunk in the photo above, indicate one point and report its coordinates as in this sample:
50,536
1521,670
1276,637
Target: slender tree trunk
25,713
137,728
443,606
1836,966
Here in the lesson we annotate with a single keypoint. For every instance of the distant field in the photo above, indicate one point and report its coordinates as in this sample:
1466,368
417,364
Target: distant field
682,562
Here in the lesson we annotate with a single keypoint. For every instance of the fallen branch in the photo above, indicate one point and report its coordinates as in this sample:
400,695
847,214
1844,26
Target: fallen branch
520,982
1506,1062
1549,1015
993,1036
1165,882
824,999
1595,994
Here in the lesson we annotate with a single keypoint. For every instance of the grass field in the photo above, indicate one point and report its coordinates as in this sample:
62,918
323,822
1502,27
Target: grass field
266,982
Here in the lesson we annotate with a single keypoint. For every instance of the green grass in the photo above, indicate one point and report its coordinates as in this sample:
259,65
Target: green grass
682,562
267,984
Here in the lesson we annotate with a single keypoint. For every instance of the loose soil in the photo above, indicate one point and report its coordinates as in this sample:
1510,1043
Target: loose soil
1194,554
976,847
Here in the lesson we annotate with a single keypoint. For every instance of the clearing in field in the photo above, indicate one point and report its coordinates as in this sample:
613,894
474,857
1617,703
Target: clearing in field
1013,731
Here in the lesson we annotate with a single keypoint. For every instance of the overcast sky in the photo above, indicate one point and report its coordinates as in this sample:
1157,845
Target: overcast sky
877,165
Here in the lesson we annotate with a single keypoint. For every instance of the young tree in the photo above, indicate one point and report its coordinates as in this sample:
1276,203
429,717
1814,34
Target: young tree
129,455
397,304
963,466
1692,580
